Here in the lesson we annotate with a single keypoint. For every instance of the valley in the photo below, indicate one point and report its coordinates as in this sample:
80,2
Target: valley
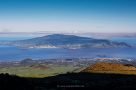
53,67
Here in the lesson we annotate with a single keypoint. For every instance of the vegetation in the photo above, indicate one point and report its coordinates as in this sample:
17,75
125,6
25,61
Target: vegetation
102,75
84,81
38,70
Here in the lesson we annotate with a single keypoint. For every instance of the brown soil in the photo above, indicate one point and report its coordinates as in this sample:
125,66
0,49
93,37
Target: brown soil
102,66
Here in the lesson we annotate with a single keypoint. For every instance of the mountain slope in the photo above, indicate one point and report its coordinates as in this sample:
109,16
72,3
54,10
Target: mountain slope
70,81
104,67
68,41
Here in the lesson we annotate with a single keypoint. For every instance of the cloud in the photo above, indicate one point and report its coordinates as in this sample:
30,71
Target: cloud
65,26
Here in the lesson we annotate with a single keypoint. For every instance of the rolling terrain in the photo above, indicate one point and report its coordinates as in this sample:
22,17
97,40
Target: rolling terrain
113,68
94,75
46,68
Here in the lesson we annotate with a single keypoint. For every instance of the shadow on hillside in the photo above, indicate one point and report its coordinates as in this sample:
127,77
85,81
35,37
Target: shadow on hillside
69,81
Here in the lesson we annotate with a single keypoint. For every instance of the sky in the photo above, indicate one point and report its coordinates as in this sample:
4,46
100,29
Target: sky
76,16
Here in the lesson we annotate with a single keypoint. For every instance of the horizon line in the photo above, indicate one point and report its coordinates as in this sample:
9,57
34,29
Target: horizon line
38,32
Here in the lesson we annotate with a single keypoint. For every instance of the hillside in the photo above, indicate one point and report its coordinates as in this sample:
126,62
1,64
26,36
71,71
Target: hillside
103,67
69,81
67,41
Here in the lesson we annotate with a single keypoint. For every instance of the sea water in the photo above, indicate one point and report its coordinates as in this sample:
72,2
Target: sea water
9,53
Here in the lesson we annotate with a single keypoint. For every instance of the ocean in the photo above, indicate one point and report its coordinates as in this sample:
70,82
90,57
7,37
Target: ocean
12,53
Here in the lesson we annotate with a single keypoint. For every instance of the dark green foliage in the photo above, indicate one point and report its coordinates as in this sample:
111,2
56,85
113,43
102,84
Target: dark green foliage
12,82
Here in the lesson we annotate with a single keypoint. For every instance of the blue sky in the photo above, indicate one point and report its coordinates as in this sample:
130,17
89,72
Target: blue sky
68,15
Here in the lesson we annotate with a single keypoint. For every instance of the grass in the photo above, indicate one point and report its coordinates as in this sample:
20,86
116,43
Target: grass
27,71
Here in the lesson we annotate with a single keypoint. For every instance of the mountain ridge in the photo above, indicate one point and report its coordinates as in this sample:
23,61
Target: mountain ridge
68,41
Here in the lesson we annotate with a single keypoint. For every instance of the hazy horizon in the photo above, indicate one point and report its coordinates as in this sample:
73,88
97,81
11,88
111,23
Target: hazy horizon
72,16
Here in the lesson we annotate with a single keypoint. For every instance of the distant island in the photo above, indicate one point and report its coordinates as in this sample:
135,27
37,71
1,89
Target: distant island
67,41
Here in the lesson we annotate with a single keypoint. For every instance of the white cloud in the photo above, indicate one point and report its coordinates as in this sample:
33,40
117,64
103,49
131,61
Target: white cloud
65,26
